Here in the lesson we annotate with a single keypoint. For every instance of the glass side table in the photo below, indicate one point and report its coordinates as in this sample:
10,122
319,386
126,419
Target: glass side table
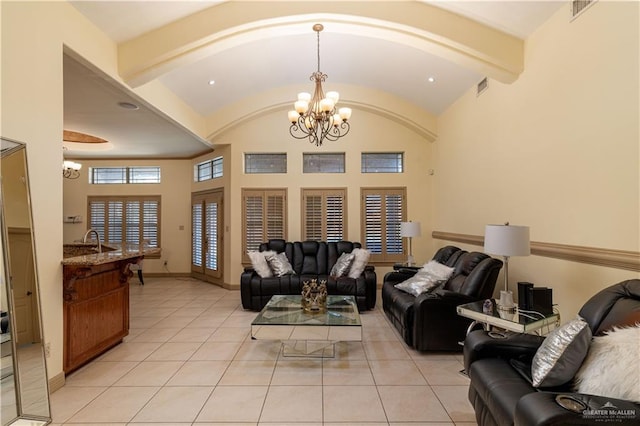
518,321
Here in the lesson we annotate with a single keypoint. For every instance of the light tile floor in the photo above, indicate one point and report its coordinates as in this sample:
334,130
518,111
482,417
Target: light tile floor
189,360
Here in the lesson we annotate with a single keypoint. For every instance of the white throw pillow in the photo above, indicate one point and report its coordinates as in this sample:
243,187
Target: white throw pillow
359,262
260,264
437,270
611,367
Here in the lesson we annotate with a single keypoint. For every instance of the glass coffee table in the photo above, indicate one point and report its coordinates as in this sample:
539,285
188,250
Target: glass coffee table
304,333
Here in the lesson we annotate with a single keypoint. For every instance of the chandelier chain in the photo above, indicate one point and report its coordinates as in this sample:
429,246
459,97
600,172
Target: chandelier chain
316,117
318,49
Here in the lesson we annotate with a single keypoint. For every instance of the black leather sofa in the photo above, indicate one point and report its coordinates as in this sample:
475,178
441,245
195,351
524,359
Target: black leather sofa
502,396
310,260
429,322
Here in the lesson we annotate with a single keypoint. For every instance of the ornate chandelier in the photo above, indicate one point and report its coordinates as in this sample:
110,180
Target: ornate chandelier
317,118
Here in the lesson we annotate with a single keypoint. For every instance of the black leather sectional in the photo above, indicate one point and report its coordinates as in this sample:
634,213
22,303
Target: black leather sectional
430,322
310,260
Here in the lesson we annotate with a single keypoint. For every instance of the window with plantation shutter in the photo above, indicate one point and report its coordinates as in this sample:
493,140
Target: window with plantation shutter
263,217
312,217
211,211
275,216
132,226
113,233
97,216
382,211
134,220
197,237
151,222
324,214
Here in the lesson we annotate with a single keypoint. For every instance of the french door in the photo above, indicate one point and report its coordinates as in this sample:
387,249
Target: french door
207,233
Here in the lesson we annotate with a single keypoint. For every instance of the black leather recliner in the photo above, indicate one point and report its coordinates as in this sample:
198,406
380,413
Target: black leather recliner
502,396
309,260
429,322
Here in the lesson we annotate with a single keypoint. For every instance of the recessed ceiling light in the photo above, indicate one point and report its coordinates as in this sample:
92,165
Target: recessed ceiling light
431,79
128,105
212,82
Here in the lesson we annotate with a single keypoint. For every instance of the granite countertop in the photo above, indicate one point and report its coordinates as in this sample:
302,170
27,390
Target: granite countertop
85,254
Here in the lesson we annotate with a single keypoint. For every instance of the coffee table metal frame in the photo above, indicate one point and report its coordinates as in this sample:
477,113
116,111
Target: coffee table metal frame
517,321
304,333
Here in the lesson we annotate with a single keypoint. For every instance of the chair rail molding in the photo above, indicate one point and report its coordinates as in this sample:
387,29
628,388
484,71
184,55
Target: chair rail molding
619,259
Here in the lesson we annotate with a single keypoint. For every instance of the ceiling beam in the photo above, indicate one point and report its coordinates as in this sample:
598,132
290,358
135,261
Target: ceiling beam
474,45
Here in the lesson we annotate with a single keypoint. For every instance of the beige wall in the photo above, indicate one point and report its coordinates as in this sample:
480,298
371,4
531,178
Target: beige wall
32,113
369,133
557,150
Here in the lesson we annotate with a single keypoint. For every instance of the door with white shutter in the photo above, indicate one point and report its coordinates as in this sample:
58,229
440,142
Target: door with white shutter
207,235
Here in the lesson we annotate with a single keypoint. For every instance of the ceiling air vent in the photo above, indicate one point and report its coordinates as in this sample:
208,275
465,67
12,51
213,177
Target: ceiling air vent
482,86
579,6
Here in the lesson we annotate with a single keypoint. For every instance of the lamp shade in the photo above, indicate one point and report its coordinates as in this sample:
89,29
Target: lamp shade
507,240
410,229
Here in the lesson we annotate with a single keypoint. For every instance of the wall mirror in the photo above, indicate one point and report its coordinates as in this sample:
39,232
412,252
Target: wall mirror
24,383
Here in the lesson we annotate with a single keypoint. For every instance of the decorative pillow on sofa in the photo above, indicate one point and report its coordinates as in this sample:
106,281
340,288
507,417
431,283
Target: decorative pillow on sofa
436,270
561,354
279,264
611,367
431,276
359,262
260,264
428,278
419,284
343,264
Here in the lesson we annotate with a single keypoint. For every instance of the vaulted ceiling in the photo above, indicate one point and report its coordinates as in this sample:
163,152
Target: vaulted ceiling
261,53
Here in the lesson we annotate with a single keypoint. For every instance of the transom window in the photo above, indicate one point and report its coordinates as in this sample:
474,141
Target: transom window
265,163
323,163
382,162
133,174
207,170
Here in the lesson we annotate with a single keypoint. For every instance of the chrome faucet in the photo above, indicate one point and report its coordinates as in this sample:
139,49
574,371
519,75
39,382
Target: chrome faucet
93,231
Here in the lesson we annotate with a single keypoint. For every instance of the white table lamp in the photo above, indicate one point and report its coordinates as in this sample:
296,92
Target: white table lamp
507,240
410,230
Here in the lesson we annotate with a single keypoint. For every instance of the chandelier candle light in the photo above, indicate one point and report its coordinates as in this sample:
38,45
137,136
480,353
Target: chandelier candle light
71,169
317,118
